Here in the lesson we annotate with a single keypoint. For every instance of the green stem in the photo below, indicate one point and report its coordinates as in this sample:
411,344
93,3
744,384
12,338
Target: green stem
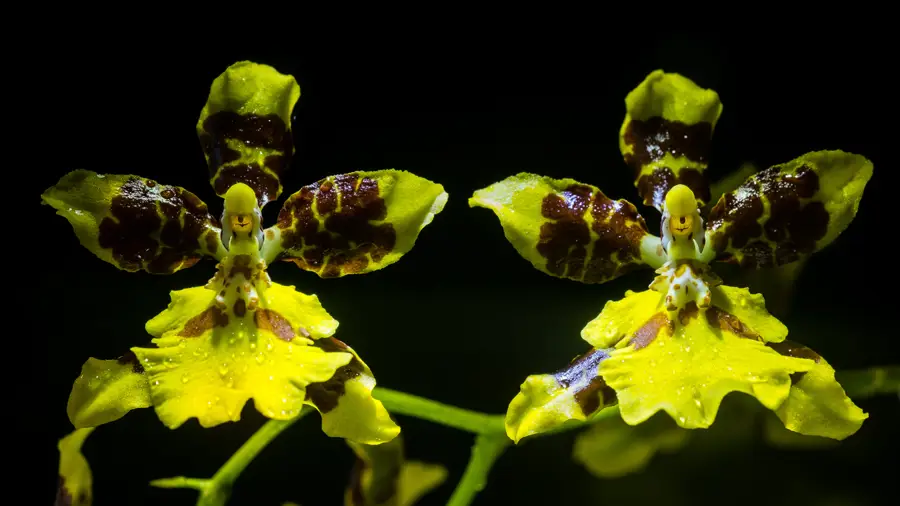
229,472
863,383
444,414
216,490
486,451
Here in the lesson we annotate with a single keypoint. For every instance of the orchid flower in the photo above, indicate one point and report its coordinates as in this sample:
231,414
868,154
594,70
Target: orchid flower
688,340
243,336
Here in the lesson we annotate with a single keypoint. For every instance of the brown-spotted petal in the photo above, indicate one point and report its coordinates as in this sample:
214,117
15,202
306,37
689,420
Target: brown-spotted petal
569,229
546,401
136,223
788,211
345,401
666,135
353,223
245,129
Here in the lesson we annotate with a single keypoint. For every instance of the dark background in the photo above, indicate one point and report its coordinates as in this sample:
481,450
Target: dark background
462,318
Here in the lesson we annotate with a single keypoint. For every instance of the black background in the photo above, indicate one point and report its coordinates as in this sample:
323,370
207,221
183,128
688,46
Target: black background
461,318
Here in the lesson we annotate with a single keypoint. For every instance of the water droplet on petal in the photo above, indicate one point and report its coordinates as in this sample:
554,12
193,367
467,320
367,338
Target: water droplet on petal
269,346
253,346
185,378
156,383
260,357
681,419
223,369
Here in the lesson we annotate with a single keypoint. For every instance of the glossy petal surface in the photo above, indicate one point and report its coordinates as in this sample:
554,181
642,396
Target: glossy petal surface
666,135
570,230
354,223
107,390
136,223
245,129
789,211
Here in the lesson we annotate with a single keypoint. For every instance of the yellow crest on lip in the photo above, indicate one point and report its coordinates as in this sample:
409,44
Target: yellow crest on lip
680,201
240,199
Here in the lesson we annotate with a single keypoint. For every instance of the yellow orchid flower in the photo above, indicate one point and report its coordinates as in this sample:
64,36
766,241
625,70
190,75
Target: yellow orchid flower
688,340
242,336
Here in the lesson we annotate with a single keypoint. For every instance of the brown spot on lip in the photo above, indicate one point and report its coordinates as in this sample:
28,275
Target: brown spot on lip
269,320
583,378
565,241
655,137
207,320
728,322
348,204
650,330
325,395
795,350
688,313
241,265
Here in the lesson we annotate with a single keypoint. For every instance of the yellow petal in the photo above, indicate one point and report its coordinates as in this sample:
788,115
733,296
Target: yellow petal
75,479
611,448
136,223
383,477
686,366
788,211
345,401
107,390
621,318
666,135
546,401
570,230
817,405
354,223
245,129
208,363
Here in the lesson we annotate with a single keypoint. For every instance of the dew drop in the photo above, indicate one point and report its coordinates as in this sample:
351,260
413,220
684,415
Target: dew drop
271,378
698,403
269,346
681,419
231,340
223,369
230,382
284,400
185,378
252,346
260,357
156,383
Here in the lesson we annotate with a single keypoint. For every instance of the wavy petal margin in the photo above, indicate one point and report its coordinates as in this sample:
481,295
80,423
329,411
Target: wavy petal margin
569,229
245,129
353,223
208,363
135,223
667,134
789,211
